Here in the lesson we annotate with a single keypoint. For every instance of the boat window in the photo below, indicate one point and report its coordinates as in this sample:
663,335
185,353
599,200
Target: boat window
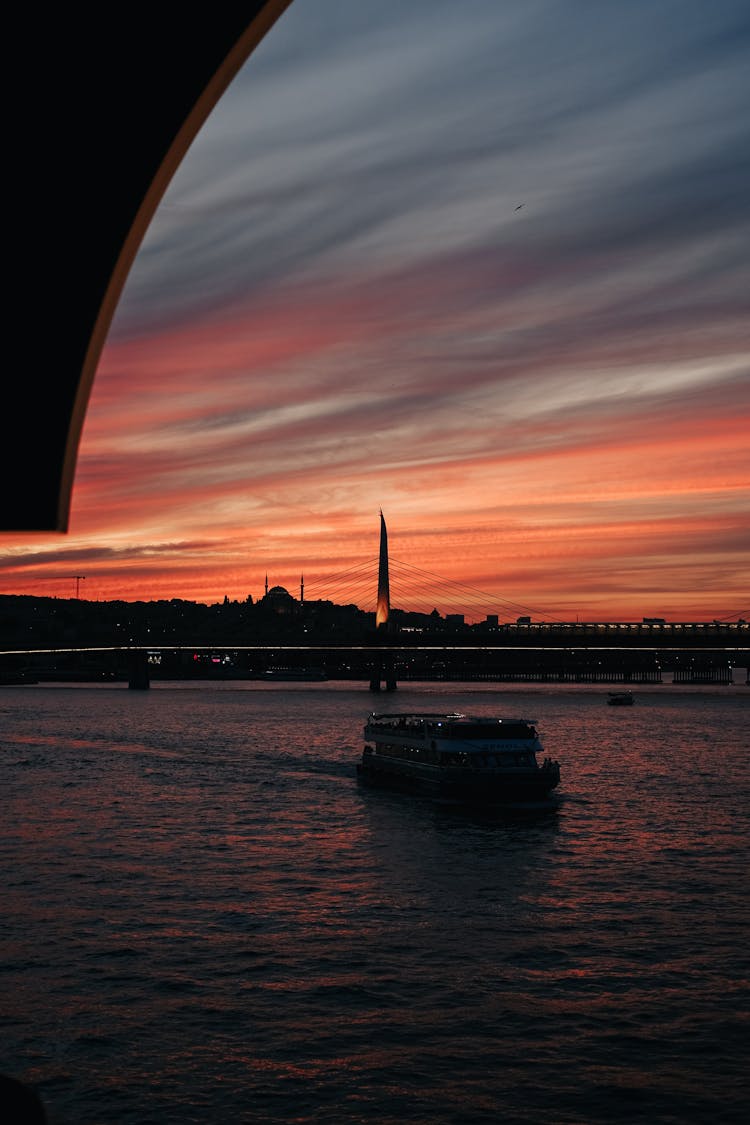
488,730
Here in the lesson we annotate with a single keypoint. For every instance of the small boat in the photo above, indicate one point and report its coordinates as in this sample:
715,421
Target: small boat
457,758
620,699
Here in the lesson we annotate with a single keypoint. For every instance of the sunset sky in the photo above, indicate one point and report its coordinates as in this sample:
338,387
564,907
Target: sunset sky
485,266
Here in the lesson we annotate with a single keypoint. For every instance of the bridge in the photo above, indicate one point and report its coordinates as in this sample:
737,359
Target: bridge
299,639
686,654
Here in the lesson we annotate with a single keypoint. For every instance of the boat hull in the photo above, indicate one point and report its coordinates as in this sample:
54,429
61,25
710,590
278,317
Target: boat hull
478,788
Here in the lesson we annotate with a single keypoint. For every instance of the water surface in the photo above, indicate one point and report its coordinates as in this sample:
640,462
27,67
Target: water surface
205,918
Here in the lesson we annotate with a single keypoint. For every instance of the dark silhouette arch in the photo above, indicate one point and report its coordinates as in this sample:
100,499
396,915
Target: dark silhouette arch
104,106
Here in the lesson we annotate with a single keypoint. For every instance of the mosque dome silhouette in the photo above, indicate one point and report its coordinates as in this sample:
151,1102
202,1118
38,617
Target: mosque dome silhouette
280,600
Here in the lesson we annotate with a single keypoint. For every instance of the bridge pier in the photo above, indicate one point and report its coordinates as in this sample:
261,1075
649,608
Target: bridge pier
383,673
138,677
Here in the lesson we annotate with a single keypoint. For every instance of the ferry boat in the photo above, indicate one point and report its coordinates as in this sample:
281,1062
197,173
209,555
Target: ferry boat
457,758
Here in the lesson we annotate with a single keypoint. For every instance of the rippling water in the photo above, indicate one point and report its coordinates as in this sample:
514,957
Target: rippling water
205,918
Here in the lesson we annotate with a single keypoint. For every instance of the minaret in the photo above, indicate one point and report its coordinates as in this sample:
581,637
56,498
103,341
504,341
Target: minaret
266,585
302,588
384,592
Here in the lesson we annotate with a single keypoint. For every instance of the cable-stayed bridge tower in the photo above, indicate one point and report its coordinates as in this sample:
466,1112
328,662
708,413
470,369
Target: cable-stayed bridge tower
383,609
384,666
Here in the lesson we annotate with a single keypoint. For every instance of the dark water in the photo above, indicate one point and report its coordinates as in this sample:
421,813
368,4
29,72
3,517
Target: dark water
205,919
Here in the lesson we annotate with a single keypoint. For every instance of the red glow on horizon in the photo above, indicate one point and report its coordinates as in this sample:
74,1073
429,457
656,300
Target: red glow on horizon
265,443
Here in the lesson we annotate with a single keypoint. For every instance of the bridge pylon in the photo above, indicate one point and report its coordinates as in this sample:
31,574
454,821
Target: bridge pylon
138,677
384,671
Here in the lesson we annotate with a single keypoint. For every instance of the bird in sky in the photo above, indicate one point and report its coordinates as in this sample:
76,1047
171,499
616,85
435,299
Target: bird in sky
518,208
